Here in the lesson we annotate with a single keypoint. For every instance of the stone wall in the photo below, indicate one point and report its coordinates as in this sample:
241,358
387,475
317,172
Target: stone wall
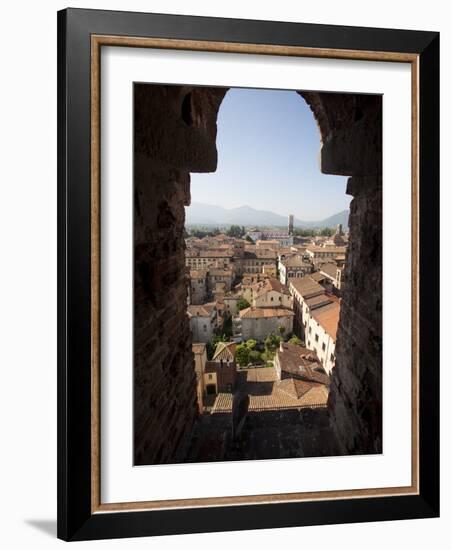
355,399
175,133
351,130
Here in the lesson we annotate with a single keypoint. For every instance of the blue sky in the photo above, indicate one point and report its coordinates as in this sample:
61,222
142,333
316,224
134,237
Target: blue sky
268,151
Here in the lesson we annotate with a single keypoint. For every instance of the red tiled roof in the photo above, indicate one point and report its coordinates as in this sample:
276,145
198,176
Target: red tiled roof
336,249
295,261
224,351
299,362
317,276
279,394
318,301
306,287
265,312
327,317
329,269
204,310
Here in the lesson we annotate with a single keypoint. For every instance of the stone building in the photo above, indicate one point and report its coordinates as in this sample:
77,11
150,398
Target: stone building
338,238
230,302
325,252
264,291
220,373
224,277
294,361
210,258
302,290
334,276
258,322
204,321
317,313
270,270
254,261
321,333
270,293
272,244
290,224
293,267
198,289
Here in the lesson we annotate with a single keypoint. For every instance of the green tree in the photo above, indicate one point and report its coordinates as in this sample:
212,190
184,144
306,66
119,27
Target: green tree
255,357
236,231
242,355
227,328
326,232
295,340
281,330
272,342
298,232
251,344
242,304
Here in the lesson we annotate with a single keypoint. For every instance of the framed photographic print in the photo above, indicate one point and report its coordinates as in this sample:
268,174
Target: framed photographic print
248,274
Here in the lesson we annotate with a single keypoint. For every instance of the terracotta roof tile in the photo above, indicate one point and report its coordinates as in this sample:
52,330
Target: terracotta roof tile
276,394
328,317
224,351
204,310
265,312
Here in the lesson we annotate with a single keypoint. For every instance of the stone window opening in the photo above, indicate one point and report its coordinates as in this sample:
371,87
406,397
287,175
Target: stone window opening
350,128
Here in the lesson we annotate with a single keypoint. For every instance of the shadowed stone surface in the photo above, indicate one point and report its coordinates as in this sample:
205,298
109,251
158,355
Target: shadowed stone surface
265,435
175,132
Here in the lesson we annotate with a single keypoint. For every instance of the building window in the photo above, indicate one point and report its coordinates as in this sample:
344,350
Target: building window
316,338
324,346
332,357
310,330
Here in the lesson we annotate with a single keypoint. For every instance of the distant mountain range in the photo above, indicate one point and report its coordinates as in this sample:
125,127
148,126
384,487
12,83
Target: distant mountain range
211,215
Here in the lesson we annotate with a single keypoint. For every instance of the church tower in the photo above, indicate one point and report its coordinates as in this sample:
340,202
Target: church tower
290,224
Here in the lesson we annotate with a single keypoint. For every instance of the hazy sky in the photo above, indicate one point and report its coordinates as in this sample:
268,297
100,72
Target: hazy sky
268,148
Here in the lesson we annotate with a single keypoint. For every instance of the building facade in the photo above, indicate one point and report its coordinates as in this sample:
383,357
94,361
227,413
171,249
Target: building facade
293,267
198,289
258,322
325,252
316,319
220,373
203,321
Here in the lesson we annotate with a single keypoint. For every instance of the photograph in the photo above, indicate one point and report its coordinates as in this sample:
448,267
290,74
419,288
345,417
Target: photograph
224,281
257,305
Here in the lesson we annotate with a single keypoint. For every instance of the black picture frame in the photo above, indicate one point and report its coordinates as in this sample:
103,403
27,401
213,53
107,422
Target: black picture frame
75,518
